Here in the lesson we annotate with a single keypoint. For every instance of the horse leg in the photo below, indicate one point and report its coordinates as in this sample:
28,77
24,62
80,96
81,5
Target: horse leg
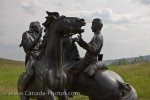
49,95
92,98
103,98
63,96
45,98
41,98
22,96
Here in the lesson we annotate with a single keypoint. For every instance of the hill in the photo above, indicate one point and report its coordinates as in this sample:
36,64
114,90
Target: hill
8,61
136,74
129,60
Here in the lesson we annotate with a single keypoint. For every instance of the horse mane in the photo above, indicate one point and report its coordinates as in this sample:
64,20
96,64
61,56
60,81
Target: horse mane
50,17
49,20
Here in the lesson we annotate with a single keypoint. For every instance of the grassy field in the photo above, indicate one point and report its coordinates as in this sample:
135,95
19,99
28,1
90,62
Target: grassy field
138,75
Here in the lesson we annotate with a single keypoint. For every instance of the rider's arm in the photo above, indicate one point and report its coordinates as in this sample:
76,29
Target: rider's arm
29,44
91,47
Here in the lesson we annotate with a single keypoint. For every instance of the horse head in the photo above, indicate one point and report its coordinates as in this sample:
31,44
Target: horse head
64,25
70,25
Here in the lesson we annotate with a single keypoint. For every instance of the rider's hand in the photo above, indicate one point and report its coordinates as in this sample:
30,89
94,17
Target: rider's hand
74,40
79,38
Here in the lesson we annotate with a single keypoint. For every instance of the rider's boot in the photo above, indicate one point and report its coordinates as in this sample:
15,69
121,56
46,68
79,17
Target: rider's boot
25,82
23,87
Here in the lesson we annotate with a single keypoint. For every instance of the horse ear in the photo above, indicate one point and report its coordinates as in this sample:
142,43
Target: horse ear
56,14
52,18
47,12
49,19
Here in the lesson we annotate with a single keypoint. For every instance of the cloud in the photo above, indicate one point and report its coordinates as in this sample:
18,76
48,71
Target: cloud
132,40
125,24
145,2
107,15
31,6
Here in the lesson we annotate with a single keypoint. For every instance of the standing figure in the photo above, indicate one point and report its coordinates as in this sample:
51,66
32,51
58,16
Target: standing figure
31,44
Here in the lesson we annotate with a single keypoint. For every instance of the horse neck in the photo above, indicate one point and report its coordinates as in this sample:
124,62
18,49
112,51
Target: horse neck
70,51
53,50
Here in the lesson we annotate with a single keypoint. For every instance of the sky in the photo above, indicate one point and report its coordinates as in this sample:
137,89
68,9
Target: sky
125,31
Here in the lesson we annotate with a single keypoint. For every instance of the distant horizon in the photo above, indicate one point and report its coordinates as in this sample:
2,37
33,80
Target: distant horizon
103,59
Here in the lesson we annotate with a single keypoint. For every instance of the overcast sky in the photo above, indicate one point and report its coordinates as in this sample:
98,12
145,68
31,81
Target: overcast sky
126,28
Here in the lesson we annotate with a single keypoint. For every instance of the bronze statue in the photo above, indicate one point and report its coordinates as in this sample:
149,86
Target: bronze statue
49,75
31,44
49,64
101,84
93,49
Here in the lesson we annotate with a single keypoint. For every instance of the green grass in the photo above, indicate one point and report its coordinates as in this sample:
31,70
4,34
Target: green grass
138,75
9,72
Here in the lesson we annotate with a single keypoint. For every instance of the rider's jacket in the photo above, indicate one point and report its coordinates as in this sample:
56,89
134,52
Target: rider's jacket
93,48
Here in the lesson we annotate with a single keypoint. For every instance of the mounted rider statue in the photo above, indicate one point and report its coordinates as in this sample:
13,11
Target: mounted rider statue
54,64
31,44
92,48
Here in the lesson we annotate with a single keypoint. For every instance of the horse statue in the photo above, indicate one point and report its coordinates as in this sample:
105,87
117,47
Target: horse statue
49,76
103,85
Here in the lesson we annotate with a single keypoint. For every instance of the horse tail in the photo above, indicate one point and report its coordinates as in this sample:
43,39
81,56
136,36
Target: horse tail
128,93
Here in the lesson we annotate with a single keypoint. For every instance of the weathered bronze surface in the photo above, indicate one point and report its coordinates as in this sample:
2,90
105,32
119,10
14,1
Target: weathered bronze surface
48,74
90,75
54,64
